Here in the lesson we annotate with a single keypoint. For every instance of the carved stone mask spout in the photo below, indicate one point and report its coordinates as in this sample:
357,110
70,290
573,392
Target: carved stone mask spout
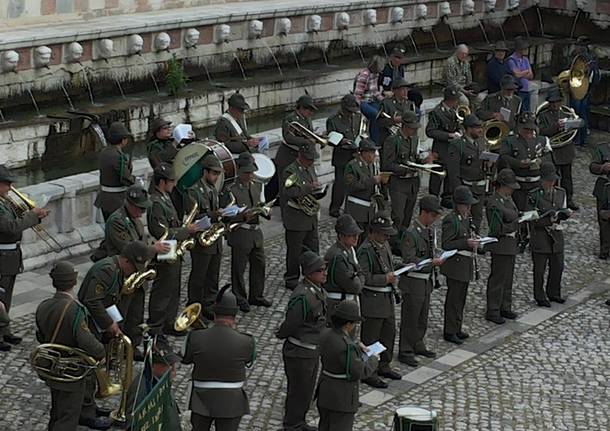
9,61
135,44
284,26
162,42
42,56
421,11
106,48
255,29
222,34
314,23
342,21
191,37
370,17
397,15
444,9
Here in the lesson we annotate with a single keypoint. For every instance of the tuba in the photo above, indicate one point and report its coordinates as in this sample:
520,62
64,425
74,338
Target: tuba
564,137
137,280
576,78
189,318
298,129
308,203
494,131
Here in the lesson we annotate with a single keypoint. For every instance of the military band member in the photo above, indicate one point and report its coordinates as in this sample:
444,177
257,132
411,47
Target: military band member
502,218
443,126
343,365
220,355
458,234
416,286
393,108
247,242
524,153
299,214
12,225
377,297
549,121
62,319
344,279
231,128
600,166
547,243
465,167
364,193
301,328
162,217
404,183
347,122
497,106
115,171
160,146
205,260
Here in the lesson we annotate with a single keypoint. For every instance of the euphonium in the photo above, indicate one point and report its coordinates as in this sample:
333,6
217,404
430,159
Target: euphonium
564,137
308,203
462,111
494,131
119,366
189,318
136,280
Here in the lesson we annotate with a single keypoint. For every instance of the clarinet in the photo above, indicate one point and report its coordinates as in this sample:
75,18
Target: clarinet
432,239
473,235
387,269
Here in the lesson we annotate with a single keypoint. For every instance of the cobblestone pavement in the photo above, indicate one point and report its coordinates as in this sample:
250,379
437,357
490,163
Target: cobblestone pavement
548,370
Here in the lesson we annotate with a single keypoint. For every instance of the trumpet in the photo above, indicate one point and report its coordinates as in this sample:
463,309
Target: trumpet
298,129
189,318
425,168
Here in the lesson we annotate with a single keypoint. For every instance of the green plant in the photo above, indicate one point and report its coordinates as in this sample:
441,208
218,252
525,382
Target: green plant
175,77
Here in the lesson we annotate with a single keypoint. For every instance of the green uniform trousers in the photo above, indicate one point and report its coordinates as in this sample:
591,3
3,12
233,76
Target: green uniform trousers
454,305
500,284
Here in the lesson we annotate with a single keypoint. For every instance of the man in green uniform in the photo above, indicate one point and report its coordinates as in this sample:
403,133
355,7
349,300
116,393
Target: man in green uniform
458,234
247,241
416,285
392,109
299,211
115,171
220,355
343,366
162,217
443,126
301,328
347,122
524,153
547,243
502,218
12,225
364,193
62,319
344,279
502,106
377,297
600,166
231,128
465,167
205,260
160,146
550,123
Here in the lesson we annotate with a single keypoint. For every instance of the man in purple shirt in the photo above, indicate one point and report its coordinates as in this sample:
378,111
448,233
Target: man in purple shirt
520,67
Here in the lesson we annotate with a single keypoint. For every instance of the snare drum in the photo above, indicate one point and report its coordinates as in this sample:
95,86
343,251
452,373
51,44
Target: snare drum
265,168
415,419
226,160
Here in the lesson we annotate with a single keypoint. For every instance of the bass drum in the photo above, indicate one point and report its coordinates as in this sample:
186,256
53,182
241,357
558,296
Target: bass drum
415,419
226,160
265,168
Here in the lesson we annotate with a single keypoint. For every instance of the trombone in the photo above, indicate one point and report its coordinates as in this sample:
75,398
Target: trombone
297,129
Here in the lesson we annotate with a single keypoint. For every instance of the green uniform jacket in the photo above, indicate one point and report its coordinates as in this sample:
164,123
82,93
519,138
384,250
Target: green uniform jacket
219,354
305,318
492,104
464,165
341,356
502,215
442,121
207,198
545,237
600,155
288,150
73,331
360,185
292,217
101,288
376,261
162,212
456,232
115,171
417,244
344,274
226,133
248,195
11,231
548,122
391,106
397,151
161,151
120,230
348,124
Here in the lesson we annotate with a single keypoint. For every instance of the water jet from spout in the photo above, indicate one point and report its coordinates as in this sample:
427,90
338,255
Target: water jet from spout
413,43
277,63
86,77
527,32
63,88
484,32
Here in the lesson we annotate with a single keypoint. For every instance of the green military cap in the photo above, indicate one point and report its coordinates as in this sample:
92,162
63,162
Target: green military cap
117,132
211,163
508,82
367,144
237,100
350,103
472,121
309,152
451,93
306,101
63,275
157,124
548,172
527,120
409,119
5,175
138,254
383,223
246,167
430,203
554,96
400,83
311,262
346,225
506,177
138,196
463,196
348,310
165,172
226,302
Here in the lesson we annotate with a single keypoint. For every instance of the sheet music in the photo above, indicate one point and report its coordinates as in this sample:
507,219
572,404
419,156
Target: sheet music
529,216
404,269
447,254
171,254
505,113
114,313
487,240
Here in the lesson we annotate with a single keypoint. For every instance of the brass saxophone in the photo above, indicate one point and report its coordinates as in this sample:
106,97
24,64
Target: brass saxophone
308,203
137,280
217,230
188,243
